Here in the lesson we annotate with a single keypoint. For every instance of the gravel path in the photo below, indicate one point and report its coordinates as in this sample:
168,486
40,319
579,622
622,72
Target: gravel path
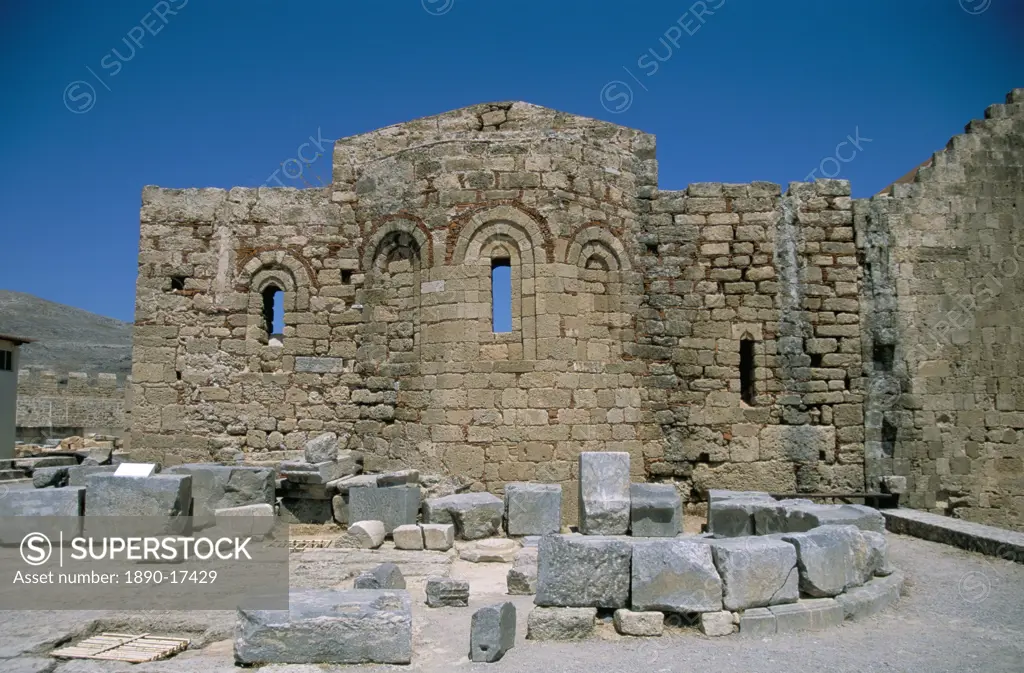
963,612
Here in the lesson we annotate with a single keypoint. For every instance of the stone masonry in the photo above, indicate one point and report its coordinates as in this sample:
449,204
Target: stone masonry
715,334
75,403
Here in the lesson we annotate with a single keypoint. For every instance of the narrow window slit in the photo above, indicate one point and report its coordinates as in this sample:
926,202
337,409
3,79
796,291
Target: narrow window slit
501,295
272,315
889,432
747,370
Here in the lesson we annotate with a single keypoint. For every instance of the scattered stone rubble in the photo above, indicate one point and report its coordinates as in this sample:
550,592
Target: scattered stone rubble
764,567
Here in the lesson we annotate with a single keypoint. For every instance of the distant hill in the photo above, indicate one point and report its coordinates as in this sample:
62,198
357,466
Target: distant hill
69,339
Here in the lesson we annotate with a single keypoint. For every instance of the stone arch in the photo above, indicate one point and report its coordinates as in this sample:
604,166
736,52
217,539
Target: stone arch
280,267
530,235
594,242
395,231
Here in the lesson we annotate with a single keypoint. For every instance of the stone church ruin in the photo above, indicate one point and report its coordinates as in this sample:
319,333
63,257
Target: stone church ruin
725,336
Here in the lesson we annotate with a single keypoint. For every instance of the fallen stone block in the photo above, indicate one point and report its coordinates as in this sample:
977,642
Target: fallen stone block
165,500
717,623
20,510
343,485
398,478
675,575
734,517
550,623
394,506
604,493
812,614
32,464
756,572
716,494
533,509
384,576
757,623
302,472
365,535
785,516
328,627
825,559
222,486
583,571
878,553
257,519
302,510
45,477
78,473
474,515
409,536
655,510
447,592
522,577
872,598
861,516
629,623
438,536
491,550
492,632
322,449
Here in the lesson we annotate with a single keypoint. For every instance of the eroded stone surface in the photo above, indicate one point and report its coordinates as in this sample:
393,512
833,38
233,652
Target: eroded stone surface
675,575
583,571
533,509
492,632
326,626
630,623
604,493
756,572
551,623
474,515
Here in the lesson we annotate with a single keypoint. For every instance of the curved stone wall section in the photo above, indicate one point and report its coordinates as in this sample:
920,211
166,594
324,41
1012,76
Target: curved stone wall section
814,567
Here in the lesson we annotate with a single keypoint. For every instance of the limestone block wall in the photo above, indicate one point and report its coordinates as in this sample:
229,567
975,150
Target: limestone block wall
725,264
386,281
60,405
944,263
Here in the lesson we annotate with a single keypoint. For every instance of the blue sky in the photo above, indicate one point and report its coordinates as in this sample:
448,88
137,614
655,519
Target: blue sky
221,93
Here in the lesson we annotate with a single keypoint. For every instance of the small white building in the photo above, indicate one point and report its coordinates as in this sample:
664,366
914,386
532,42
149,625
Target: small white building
9,346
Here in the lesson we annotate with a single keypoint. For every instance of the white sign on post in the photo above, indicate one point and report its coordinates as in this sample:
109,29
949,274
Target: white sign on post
135,470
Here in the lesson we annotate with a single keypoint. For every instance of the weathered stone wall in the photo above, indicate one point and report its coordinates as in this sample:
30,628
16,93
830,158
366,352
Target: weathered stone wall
630,312
60,405
944,261
731,262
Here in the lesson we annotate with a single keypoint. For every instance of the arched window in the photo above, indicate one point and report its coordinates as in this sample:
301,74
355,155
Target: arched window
501,294
273,315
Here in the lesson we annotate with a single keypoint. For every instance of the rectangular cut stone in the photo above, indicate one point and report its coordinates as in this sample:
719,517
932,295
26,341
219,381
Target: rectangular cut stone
302,472
329,627
165,497
303,510
78,473
827,559
785,516
716,494
492,632
521,579
655,510
533,509
630,623
756,572
432,286
560,623
676,575
812,614
583,571
21,511
873,597
319,365
394,506
604,493
734,517
257,519
447,592
757,623
438,536
474,515
861,516
221,486
976,537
